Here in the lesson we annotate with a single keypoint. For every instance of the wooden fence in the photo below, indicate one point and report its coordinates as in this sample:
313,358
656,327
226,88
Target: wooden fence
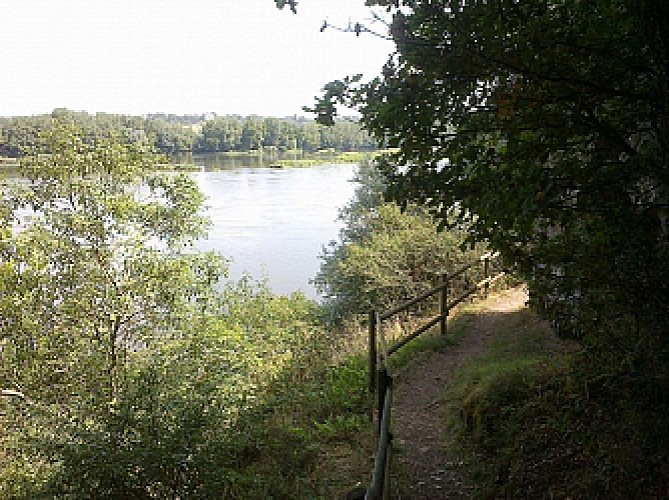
380,378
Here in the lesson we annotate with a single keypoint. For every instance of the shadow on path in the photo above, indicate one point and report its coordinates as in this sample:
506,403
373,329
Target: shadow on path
430,470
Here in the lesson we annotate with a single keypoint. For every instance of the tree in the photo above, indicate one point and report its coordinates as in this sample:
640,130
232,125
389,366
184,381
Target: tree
274,135
384,255
253,134
95,266
545,125
101,259
308,137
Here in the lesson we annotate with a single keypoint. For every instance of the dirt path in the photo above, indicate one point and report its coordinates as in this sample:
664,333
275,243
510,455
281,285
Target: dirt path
434,471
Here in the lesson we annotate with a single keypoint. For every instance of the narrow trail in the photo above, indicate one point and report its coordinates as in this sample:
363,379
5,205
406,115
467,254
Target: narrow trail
434,471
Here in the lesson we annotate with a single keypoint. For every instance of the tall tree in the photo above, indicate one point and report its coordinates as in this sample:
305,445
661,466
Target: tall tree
384,255
548,123
94,265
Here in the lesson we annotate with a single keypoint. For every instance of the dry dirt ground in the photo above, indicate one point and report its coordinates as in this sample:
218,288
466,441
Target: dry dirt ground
432,471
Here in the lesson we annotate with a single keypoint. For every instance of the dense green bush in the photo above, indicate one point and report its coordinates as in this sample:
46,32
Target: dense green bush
385,254
242,404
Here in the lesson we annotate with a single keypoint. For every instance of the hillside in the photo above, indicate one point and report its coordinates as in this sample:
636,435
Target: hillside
502,412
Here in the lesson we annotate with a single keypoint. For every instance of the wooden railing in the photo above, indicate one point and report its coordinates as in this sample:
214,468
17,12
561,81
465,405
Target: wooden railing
380,378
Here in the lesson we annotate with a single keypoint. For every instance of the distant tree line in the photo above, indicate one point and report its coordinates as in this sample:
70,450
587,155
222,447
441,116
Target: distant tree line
203,133
234,133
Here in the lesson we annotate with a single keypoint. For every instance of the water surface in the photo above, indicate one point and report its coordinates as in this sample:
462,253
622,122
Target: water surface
273,223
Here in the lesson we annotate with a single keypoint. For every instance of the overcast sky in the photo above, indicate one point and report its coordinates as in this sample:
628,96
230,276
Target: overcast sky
177,56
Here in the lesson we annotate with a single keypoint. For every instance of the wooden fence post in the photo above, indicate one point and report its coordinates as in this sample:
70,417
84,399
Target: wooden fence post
385,381
372,351
443,305
486,275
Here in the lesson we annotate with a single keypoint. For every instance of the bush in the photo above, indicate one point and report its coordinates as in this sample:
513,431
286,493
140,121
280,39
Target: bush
385,254
242,404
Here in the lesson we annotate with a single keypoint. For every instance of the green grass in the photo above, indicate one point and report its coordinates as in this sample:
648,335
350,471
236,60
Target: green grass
460,320
525,415
8,164
311,438
327,156
429,341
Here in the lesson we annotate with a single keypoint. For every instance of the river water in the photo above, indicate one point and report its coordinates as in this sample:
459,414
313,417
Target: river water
272,222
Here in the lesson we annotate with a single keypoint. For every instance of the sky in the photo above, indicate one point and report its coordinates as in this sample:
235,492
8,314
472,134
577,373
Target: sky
177,56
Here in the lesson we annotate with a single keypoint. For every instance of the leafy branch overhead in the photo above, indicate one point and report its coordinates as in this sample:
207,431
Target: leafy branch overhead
338,92
545,126
291,3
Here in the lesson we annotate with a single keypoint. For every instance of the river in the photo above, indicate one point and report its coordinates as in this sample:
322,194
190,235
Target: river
272,222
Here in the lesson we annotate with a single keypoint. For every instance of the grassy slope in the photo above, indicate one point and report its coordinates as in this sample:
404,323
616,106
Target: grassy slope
524,413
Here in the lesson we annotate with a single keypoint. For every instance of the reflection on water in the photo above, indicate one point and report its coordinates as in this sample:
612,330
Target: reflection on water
274,222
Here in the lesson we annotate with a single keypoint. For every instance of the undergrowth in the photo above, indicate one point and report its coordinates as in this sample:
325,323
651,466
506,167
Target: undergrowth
526,416
264,402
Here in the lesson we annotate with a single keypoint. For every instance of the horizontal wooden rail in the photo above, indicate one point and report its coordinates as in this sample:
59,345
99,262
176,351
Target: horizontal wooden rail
409,303
420,298
419,331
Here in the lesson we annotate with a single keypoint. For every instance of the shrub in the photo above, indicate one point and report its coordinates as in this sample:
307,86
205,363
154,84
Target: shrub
385,254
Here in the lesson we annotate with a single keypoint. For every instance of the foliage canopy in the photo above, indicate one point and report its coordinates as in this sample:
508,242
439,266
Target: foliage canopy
93,261
548,123
384,255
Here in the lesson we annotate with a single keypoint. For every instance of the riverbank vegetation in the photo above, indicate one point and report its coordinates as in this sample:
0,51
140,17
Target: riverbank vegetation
264,158
125,370
209,133
385,255
125,374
